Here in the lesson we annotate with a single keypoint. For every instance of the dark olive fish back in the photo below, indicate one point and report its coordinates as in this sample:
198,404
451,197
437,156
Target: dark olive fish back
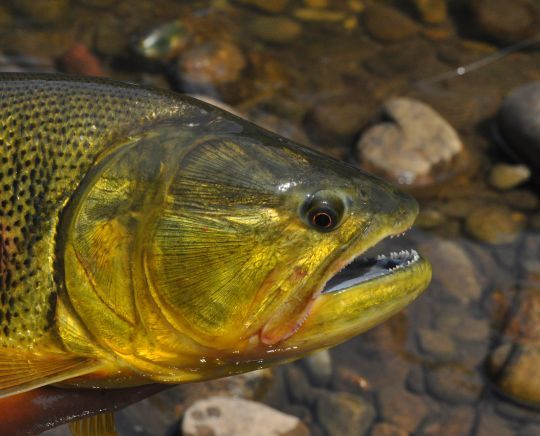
51,130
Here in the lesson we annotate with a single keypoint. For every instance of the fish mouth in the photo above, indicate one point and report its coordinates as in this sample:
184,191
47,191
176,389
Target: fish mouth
362,269
361,291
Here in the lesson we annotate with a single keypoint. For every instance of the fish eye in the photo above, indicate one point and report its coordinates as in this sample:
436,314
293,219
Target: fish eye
323,211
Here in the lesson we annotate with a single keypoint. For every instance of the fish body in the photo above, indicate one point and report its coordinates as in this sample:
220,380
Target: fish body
149,237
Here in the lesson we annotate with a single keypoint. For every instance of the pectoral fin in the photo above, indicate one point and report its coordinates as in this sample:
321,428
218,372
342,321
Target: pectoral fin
21,371
97,425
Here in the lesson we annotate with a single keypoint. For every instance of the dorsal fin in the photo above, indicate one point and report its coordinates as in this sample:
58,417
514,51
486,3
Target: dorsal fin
97,425
21,371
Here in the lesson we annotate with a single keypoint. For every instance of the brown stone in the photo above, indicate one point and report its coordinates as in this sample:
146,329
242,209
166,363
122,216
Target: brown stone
388,24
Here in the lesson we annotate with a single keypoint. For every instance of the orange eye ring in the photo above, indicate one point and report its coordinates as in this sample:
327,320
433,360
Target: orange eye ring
323,219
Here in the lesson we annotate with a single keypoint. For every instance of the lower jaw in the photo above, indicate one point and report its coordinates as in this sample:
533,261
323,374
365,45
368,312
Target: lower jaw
338,316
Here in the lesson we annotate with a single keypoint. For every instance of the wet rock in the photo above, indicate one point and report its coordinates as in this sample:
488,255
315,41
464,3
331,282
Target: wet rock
514,364
79,60
506,21
40,42
454,384
401,408
412,144
454,270
522,199
429,219
317,4
342,413
321,15
336,121
400,60
211,67
463,326
387,429
163,42
387,24
495,224
49,12
319,367
519,122
415,380
449,422
436,344
299,388
458,207
275,30
272,6
505,176
431,11
490,424
517,412
222,416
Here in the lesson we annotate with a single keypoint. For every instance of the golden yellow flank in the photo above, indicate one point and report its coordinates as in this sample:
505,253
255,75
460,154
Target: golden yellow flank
146,236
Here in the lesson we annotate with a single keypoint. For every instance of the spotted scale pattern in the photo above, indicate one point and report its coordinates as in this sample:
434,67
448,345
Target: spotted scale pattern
51,130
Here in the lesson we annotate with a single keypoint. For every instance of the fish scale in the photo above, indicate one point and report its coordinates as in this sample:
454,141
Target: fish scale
50,133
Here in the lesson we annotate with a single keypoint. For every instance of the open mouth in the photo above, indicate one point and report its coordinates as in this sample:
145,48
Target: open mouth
363,269
366,267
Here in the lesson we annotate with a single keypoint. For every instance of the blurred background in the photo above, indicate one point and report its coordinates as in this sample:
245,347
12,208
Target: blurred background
441,97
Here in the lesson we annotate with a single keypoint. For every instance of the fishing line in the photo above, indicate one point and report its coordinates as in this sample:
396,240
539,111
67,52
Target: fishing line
473,66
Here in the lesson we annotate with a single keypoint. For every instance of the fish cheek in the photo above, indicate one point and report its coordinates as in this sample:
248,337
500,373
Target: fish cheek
204,273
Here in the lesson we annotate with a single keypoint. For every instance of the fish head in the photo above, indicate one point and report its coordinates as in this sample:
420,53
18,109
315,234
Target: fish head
215,249
253,231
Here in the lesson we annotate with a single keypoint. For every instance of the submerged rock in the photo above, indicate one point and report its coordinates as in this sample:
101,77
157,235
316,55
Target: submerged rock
506,21
272,6
387,429
519,123
495,224
522,199
411,144
275,30
387,24
437,344
454,270
400,407
432,11
319,367
222,416
340,413
514,365
449,421
79,60
49,12
454,384
163,42
336,120
506,176
212,68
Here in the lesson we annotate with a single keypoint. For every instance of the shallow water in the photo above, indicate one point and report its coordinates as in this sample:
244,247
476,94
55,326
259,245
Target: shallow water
318,72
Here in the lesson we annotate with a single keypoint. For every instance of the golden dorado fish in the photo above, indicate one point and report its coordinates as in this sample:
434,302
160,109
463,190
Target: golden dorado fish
147,237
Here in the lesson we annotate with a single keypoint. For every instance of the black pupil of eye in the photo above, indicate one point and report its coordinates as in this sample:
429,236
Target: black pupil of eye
322,219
